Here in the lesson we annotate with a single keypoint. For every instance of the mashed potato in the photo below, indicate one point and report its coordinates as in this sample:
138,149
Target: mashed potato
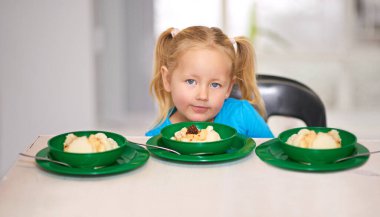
310,139
192,134
94,143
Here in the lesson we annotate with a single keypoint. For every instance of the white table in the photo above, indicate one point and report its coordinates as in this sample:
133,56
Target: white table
246,187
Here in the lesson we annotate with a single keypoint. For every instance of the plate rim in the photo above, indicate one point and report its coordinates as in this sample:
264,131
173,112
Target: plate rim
244,151
140,157
263,152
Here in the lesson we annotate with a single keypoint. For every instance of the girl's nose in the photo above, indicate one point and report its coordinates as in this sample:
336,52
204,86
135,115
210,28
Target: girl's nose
202,93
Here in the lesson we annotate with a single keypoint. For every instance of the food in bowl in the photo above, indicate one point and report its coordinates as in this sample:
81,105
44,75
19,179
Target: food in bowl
193,134
320,155
98,142
227,135
310,139
86,160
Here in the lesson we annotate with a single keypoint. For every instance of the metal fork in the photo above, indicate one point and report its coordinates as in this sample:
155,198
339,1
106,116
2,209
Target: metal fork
45,159
155,146
357,155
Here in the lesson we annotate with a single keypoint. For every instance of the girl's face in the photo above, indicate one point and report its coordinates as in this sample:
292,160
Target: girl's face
199,85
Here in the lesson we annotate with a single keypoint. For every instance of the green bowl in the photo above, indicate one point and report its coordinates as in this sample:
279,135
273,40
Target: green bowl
86,160
227,134
318,156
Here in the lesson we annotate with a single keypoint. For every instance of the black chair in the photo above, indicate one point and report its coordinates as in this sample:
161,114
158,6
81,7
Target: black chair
287,97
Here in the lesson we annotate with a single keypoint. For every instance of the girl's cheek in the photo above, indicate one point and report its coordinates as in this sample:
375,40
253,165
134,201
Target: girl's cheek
180,95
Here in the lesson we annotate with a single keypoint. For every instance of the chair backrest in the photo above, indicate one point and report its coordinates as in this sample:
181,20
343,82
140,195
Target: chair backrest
287,97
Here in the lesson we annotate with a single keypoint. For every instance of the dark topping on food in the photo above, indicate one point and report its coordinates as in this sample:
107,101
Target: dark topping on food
192,130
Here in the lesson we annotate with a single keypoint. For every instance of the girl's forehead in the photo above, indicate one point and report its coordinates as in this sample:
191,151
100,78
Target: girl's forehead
205,61
204,56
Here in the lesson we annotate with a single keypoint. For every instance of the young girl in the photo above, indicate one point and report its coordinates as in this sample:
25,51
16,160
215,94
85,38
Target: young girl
194,72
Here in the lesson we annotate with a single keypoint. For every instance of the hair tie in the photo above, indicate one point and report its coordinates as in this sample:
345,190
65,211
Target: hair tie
233,41
174,32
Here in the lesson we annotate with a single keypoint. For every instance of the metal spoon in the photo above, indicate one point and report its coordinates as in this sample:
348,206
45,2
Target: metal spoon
357,155
155,146
45,159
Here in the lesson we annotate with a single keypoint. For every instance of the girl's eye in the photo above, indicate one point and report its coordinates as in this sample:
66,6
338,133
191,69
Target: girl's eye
190,81
215,85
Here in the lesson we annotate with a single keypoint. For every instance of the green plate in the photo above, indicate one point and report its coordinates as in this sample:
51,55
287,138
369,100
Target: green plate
131,159
272,153
240,147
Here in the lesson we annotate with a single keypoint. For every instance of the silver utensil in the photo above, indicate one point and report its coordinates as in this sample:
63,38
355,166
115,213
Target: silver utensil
45,159
201,154
357,155
155,146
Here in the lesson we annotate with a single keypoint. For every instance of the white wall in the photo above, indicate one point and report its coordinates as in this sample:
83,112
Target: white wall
47,73
124,57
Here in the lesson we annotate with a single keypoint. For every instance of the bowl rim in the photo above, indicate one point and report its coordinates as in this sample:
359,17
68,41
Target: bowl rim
201,122
314,149
90,132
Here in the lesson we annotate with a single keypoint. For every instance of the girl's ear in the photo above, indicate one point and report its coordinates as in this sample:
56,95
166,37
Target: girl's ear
165,78
230,87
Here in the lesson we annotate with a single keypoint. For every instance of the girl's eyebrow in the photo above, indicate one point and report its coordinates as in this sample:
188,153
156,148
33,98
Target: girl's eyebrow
198,76
192,74
189,74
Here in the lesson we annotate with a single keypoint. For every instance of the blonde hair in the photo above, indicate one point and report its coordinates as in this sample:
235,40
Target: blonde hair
170,48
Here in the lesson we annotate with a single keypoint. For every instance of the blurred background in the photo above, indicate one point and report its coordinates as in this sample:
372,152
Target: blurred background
71,65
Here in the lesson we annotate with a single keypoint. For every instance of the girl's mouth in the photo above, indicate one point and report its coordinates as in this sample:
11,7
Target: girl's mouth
199,109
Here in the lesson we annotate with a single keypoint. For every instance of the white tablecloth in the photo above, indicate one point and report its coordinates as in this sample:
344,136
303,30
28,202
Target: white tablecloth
246,187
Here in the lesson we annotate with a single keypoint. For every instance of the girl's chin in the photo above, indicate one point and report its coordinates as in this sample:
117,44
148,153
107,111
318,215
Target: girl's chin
199,119
185,117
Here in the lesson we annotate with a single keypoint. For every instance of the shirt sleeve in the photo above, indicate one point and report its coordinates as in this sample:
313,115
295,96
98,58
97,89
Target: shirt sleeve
254,124
157,129
153,132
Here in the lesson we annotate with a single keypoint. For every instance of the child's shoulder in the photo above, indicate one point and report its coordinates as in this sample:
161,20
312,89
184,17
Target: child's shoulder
237,107
236,104
157,129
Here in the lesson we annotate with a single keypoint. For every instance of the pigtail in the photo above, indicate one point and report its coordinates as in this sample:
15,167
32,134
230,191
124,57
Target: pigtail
156,86
245,73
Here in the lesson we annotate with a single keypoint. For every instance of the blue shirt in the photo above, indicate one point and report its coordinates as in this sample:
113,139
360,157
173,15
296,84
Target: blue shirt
236,113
